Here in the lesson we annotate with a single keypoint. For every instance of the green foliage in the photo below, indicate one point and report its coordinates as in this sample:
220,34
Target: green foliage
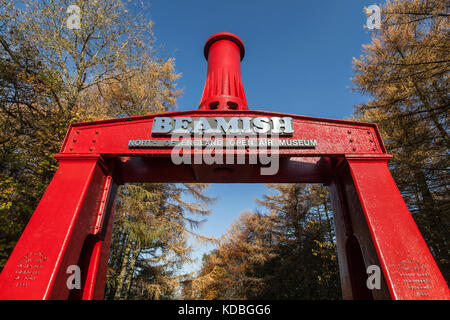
149,239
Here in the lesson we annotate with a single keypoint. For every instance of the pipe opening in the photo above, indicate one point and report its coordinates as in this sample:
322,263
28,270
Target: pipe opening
214,105
232,105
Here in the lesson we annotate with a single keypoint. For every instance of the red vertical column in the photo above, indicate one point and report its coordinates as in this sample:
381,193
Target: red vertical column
93,259
355,248
62,232
408,266
94,287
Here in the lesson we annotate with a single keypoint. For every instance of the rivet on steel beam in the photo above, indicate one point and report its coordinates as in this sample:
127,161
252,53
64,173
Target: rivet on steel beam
74,140
91,148
96,132
354,149
77,132
349,132
93,140
351,140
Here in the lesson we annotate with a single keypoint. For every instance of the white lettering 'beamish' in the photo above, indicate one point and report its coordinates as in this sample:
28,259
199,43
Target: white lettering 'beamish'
195,310
221,125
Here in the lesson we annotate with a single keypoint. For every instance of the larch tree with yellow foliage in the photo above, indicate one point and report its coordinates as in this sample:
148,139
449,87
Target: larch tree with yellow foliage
405,72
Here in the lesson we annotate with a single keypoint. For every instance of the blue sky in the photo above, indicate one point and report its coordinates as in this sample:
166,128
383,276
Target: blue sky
298,60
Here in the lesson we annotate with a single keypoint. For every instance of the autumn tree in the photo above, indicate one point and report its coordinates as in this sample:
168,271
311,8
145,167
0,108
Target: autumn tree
29,126
306,266
46,72
286,251
232,271
52,75
404,71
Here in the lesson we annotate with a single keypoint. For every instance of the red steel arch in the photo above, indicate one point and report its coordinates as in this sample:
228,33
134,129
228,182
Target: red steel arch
73,222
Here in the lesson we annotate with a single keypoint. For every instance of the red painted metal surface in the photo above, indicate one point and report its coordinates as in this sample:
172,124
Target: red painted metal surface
374,227
57,234
73,222
111,137
408,265
223,88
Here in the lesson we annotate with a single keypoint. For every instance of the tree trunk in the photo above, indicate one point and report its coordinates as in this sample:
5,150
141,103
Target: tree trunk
123,271
134,256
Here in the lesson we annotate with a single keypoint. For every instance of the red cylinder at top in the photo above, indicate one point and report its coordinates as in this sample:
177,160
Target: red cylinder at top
223,88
